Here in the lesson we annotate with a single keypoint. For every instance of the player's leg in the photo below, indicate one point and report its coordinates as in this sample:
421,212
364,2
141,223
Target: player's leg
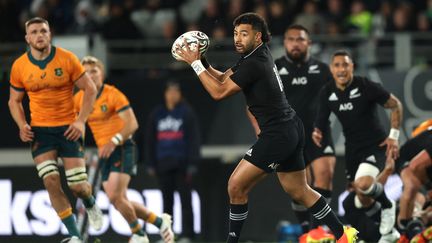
116,189
413,177
242,180
323,170
367,187
292,176
72,154
46,164
294,183
163,222
76,177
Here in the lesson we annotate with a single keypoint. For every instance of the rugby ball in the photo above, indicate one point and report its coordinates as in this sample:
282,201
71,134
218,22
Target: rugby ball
195,39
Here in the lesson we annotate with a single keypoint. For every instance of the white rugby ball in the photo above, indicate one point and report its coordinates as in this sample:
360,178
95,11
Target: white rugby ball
195,39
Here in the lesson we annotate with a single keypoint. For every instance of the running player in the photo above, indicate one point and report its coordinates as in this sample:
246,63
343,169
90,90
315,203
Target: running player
113,123
279,147
354,101
48,75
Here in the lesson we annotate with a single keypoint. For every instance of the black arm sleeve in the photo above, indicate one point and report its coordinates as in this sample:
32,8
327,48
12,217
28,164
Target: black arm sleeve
322,117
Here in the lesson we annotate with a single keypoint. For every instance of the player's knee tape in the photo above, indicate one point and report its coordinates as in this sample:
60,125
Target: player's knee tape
76,176
47,168
366,169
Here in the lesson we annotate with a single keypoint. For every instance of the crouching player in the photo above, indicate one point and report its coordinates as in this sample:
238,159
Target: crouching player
415,168
113,123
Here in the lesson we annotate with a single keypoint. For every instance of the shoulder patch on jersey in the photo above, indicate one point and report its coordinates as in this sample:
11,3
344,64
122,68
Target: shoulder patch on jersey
283,71
371,159
313,69
333,97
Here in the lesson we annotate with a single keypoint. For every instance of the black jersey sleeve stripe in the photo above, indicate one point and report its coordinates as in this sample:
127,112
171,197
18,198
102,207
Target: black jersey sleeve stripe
17,89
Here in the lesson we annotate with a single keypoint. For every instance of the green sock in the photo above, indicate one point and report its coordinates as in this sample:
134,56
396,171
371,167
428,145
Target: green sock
158,222
136,228
89,202
71,226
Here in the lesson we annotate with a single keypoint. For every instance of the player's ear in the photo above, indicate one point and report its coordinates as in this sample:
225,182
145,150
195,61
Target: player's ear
27,39
258,36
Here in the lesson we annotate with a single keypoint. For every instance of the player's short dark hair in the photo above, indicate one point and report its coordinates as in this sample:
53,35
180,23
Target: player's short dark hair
344,53
36,20
258,23
298,27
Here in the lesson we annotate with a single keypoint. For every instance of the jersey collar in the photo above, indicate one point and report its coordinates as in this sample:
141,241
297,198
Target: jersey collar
256,48
42,63
100,91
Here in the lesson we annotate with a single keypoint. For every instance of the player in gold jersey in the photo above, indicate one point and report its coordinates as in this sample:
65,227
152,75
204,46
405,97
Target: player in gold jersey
48,75
113,123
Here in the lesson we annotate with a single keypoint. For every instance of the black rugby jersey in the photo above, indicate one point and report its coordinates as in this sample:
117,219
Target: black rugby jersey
356,109
257,75
302,84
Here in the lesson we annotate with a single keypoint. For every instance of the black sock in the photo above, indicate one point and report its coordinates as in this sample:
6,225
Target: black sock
324,214
378,194
327,195
402,225
237,216
302,215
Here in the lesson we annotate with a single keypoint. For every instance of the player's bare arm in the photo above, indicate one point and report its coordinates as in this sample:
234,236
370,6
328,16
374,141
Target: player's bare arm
130,126
391,141
17,112
317,136
76,129
217,88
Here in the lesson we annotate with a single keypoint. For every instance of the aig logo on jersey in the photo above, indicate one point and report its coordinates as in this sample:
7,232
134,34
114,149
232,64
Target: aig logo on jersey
346,106
299,81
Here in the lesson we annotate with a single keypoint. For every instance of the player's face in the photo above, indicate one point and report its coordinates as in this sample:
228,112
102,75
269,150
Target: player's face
246,38
342,69
173,95
296,43
96,74
38,36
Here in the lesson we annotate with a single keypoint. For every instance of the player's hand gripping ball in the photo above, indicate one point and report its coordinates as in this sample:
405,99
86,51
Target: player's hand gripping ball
195,39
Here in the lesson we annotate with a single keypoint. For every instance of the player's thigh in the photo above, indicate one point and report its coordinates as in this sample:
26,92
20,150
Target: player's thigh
117,184
421,166
244,177
45,143
323,167
292,181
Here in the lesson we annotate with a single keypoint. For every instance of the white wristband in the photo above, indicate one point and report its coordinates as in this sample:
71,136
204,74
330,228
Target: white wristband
117,139
198,67
394,134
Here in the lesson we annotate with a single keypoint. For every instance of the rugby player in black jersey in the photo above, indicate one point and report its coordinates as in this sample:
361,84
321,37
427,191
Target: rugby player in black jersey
415,169
303,77
354,101
279,147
